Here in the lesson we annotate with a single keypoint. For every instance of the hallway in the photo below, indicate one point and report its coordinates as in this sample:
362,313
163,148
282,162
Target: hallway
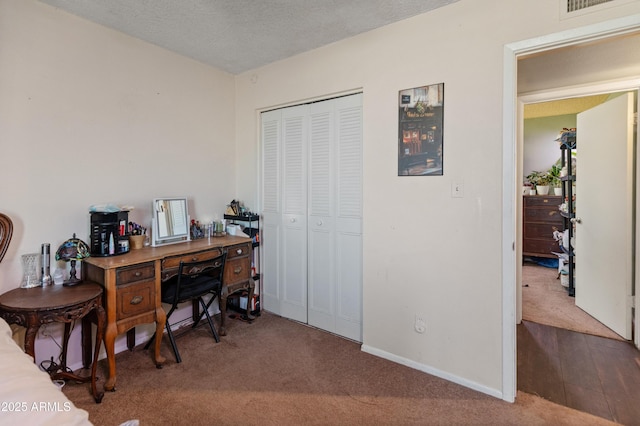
589,373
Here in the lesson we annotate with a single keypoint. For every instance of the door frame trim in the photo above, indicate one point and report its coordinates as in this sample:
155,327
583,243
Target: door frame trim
511,131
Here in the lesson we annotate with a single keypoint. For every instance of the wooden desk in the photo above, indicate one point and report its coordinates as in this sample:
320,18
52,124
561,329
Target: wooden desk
32,307
132,284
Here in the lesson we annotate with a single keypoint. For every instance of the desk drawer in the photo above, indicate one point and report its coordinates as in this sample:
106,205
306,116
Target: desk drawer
174,262
136,298
542,214
238,251
132,274
539,230
540,247
236,270
170,265
542,200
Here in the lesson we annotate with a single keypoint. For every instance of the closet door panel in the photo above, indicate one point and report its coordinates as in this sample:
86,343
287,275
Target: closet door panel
271,211
321,277
321,211
348,315
349,157
348,218
294,271
293,254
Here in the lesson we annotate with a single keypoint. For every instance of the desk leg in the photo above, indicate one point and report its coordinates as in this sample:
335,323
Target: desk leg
250,300
223,310
161,319
109,346
131,339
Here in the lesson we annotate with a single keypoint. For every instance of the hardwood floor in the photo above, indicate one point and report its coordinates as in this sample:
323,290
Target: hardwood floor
589,373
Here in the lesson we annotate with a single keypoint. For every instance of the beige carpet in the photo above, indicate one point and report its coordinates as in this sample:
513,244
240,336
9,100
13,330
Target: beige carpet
279,372
545,301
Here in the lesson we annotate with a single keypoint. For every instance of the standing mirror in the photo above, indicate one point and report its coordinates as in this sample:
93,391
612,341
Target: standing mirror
170,221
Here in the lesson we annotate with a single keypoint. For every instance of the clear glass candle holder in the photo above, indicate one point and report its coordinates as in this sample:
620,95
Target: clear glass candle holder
30,270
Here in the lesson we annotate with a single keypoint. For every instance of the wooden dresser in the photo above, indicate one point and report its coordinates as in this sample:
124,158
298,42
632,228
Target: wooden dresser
132,284
540,217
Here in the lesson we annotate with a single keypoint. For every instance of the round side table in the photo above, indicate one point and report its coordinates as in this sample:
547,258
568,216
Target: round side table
32,307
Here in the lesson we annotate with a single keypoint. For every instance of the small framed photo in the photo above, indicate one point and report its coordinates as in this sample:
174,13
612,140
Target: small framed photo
420,132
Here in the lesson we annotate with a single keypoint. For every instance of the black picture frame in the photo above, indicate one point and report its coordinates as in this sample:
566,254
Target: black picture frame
420,131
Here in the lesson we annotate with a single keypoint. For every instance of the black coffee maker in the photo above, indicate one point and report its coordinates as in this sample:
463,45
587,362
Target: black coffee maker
109,236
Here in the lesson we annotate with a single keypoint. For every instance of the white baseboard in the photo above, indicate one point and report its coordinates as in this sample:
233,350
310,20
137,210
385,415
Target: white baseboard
433,371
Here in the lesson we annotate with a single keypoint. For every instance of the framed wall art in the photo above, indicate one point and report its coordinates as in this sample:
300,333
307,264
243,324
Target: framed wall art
420,129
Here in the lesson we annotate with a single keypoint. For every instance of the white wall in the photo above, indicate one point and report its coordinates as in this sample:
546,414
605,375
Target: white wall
424,252
540,150
89,115
75,96
615,58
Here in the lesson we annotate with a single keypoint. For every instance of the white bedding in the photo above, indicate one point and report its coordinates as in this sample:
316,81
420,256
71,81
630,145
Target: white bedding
27,395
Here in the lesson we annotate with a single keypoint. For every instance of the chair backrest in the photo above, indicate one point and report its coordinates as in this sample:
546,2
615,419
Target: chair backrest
6,231
195,279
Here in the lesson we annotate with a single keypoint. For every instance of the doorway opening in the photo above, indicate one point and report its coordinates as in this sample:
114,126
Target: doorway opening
512,169
550,259
555,338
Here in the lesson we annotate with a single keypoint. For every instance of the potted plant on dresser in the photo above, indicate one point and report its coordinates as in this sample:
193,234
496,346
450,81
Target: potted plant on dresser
555,182
540,180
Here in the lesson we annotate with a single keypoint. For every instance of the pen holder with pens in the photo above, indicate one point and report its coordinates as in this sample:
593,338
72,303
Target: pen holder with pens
137,241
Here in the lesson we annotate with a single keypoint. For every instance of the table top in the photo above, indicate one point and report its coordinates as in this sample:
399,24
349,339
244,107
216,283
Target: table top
147,254
48,298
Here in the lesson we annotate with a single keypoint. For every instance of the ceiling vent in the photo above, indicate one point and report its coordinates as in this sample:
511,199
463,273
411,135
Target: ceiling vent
575,5
573,8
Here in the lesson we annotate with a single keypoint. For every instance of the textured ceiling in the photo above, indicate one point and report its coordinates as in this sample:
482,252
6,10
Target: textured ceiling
240,35
563,106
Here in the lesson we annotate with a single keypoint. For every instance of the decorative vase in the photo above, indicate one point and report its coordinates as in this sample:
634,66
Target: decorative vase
30,270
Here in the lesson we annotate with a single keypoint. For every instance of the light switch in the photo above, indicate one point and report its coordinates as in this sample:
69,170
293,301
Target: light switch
457,189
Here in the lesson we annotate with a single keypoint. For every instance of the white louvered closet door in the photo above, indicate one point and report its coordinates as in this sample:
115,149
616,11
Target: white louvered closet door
335,216
271,211
312,208
284,234
293,251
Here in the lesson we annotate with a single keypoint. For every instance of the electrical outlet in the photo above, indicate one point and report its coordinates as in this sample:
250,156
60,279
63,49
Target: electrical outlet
420,324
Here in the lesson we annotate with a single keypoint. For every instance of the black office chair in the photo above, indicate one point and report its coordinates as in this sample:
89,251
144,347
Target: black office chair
194,281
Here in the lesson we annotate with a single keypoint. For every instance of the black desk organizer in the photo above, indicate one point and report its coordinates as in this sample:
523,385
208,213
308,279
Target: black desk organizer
107,227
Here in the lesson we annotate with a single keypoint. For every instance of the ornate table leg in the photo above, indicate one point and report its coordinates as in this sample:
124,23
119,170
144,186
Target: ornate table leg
32,323
65,344
101,318
87,354
63,373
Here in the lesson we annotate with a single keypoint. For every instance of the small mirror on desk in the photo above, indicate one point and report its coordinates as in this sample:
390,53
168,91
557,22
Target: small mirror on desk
170,221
